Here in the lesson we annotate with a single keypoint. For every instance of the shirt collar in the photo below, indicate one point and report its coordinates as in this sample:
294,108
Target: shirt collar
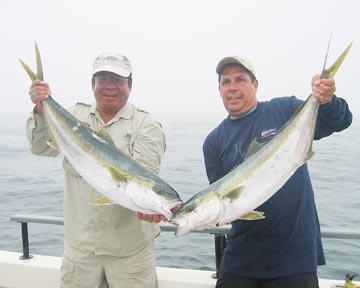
245,114
126,112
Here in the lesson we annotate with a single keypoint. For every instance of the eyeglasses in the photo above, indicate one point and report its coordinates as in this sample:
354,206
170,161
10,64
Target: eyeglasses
116,80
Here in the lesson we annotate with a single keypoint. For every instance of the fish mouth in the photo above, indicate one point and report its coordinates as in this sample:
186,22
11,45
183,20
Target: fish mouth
177,222
174,221
181,230
179,233
181,224
179,227
169,210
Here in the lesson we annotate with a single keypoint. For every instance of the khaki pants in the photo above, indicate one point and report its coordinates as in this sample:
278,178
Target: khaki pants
80,270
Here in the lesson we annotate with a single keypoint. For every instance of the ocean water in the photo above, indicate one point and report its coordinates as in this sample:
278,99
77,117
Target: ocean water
33,185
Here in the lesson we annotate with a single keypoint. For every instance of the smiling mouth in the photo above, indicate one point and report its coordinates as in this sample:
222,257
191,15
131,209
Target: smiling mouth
234,98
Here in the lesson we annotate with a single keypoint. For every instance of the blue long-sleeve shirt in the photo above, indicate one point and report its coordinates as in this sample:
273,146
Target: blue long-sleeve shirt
288,240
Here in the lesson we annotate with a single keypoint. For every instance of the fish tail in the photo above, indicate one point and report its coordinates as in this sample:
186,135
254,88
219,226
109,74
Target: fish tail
39,71
330,72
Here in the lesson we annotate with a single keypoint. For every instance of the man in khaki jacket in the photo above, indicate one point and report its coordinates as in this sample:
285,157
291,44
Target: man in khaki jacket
105,246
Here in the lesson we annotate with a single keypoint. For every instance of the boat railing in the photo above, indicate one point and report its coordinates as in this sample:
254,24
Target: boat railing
219,234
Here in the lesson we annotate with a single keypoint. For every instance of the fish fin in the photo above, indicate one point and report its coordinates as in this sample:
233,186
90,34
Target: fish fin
253,215
101,133
102,201
31,73
310,153
234,194
253,148
331,71
39,70
117,176
53,144
104,134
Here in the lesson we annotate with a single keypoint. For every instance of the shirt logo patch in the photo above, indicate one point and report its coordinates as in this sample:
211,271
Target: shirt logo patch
268,133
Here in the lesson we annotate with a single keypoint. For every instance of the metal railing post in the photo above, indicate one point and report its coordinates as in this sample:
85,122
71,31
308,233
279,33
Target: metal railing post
220,244
25,241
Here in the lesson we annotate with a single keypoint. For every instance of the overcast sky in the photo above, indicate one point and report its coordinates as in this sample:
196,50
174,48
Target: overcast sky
174,47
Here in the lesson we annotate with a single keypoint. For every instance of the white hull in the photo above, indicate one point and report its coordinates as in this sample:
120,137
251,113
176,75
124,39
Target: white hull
44,272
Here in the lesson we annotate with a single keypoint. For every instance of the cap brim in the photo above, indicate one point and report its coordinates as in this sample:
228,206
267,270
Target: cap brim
237,61
116,70
227,61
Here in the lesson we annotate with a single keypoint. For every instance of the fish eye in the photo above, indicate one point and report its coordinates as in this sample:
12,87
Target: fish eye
189,209
158,190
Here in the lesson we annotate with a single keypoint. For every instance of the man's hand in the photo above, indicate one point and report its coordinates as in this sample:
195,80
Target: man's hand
153,218
39,90
323,89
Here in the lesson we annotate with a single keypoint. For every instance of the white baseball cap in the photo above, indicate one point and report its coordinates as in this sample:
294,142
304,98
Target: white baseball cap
235,60
113,62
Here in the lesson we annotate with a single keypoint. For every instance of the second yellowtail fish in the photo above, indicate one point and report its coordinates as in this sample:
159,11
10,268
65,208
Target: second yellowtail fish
265,170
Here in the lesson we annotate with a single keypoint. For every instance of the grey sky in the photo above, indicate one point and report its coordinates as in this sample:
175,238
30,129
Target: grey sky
174,47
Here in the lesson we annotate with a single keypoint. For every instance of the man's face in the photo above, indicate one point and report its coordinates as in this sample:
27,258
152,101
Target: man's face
111,92
237,90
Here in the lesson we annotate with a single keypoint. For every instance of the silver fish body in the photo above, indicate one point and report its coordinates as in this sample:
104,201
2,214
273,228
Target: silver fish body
240,191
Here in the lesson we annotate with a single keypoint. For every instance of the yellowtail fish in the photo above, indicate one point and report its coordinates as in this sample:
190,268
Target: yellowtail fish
266,169
95,157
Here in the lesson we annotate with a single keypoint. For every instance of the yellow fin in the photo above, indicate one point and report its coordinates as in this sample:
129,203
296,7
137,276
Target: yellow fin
253,148
253,215
39,71
234,194
103,133
117,176
53,144
330,72
310,153
102,201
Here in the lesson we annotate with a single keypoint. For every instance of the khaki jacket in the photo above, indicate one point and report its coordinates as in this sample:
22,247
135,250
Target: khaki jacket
109,229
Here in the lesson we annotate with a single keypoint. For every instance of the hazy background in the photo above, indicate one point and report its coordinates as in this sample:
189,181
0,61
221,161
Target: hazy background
174,47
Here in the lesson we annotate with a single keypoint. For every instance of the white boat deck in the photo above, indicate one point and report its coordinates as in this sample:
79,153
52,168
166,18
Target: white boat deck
44,272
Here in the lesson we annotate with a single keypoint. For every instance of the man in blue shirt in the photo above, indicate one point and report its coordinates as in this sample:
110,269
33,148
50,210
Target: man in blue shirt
284,249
